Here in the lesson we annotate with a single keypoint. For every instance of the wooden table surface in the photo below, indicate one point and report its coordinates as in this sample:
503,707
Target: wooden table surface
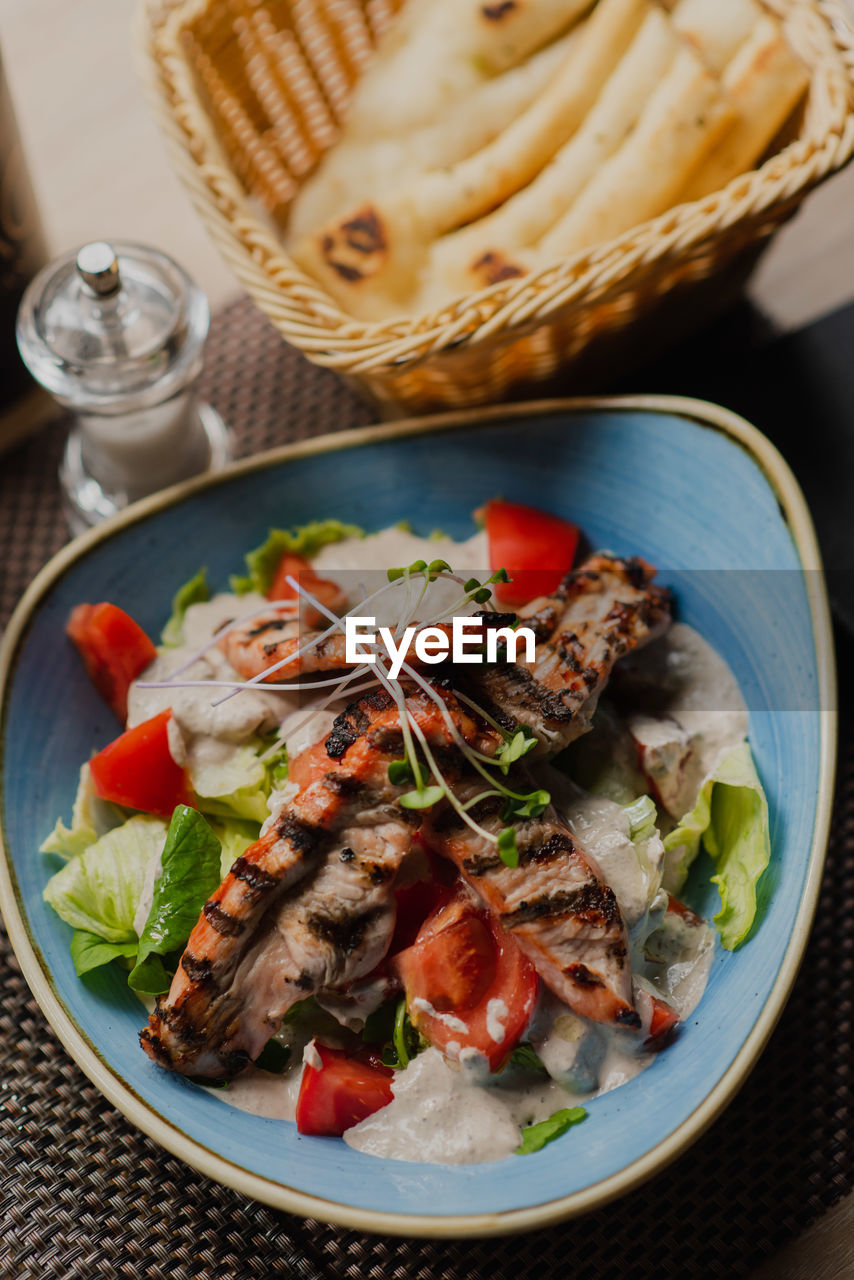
100,171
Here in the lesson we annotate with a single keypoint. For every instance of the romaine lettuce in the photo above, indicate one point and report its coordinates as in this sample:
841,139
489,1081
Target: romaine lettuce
196,591
99,889
91,817
304,540
731,818
88,951
189,873
238,786
235,837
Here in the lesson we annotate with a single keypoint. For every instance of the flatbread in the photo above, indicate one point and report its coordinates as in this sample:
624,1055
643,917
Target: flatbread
679,125
483,252
356,168
764,82
438,50
370,258
716,28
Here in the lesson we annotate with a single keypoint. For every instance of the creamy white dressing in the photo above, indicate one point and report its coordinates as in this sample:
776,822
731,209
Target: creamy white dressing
454,1112
396,547
441,1115
204,737
632,870
496,1016
263,1094
445,1111
699,715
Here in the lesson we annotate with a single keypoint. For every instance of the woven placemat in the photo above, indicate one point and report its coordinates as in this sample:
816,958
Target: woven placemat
85,1195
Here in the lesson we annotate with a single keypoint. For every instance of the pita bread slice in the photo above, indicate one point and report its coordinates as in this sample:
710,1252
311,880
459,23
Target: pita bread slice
370,258
716,28
472,257
764,82
679,125
355,168
438,50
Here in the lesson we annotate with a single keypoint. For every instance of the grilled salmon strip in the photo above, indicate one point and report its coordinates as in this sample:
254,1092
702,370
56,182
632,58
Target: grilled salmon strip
199,1027
335,927
266,641
599,613
209,1025
555,903
275,638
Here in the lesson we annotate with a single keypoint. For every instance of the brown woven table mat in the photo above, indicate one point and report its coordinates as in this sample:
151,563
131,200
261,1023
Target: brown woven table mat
85,1195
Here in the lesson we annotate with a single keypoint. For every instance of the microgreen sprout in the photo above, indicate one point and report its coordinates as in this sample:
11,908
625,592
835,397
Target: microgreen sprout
400,771
530,806
515,747
418,765
406,1040
507,850
422,797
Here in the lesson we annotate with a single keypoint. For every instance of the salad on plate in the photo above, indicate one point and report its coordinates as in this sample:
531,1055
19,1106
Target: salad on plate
421,896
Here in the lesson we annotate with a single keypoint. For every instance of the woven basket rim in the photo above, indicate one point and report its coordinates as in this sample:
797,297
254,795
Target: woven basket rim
314,322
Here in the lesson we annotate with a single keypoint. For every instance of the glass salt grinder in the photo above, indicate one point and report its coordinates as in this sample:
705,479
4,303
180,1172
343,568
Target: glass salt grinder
116,333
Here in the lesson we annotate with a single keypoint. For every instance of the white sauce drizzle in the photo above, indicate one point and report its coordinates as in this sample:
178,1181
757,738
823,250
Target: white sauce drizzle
448,1020
496,1016
311,1056
444,1109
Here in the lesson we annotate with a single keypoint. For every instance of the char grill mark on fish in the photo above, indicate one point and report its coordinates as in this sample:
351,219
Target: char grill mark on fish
556,904
311,900
599,613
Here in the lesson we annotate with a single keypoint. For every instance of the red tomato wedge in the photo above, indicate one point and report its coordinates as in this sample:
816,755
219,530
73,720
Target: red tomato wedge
467,982
679,909
137,770
537,549
340,1092
114,649
662,1022
323,589
414,902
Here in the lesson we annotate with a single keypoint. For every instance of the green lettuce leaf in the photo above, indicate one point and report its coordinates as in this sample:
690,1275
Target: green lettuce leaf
190,871
643,818
537,1136
303,540
730,817
91,817
100,889
88,951
239,786
196,591
235,837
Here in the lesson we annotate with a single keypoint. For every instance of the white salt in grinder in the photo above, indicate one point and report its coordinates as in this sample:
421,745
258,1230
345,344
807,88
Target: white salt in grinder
116,333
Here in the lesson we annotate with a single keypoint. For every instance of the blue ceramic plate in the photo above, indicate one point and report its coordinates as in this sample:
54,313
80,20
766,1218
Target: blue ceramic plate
690,487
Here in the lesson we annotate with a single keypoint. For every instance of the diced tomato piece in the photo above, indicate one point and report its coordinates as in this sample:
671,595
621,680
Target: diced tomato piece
679,909
414,902
468,982
341,1092
137,770
537,549
323,589
662,1022
114,649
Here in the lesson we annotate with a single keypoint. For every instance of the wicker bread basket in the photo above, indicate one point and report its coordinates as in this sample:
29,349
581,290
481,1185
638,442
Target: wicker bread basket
251,93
